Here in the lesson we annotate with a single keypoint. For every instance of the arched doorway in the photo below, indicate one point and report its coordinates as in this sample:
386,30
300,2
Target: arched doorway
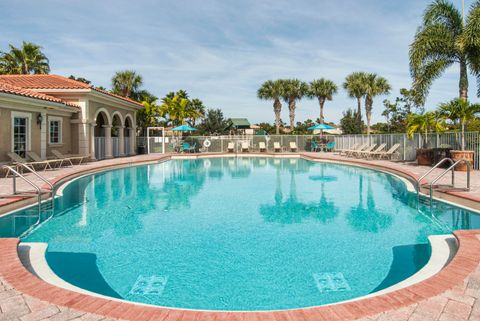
117,135
102,135
129,136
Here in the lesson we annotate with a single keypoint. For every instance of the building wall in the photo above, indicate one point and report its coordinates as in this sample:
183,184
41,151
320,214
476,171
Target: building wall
66,146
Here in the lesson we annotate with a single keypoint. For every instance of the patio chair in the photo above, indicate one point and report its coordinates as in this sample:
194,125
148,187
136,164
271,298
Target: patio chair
53,162
70,157
193,148
330,146
231,147
245,147
262,147
365,150
358,149
293,147
388,154
277,147
343,150
368,154
185,148
16,159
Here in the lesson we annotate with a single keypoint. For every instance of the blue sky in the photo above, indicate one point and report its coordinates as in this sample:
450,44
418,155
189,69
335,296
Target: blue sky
221,51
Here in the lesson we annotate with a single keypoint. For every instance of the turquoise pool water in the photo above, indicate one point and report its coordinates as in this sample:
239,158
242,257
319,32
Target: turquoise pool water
240,233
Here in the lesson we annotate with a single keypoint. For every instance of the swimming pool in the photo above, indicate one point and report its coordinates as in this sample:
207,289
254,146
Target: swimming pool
241,233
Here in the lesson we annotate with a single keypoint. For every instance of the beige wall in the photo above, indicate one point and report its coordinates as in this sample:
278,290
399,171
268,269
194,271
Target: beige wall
66,146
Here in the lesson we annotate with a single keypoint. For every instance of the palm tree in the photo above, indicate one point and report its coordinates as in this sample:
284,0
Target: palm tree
196,111
126,83
323,89
423,124
293,90
461,111
29,59
273,90
374,86
354,86
442,40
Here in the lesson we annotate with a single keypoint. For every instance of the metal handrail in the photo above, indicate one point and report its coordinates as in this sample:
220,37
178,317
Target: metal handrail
432,169
451,168
35,186
36,174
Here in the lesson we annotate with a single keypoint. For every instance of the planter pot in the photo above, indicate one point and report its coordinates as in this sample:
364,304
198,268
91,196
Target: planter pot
439,154
462,154
425,156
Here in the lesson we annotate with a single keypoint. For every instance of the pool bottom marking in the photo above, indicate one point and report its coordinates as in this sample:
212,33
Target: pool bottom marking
331,282
149,285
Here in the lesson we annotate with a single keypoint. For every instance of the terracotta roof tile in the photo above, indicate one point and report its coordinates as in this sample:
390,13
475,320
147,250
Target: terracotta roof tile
53,82
14,90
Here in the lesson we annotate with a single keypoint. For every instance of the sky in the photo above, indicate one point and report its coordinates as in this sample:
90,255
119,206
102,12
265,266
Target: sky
222,51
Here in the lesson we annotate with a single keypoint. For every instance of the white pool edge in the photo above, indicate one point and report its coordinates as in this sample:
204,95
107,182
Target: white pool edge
443,249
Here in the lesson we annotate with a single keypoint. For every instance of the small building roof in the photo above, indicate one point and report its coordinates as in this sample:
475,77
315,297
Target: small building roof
239,123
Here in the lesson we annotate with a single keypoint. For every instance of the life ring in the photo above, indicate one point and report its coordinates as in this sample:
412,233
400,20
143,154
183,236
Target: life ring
207,143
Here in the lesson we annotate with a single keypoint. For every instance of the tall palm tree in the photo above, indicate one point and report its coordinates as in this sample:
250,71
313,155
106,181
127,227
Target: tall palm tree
374,86
442,40
323,89
28,59
461,111
273,90
355,89
293,90
126,83
196,111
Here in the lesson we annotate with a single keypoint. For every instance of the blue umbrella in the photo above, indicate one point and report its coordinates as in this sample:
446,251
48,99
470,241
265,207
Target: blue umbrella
321,127
184,128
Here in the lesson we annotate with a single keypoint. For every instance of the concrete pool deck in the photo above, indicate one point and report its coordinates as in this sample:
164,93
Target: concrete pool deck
452,294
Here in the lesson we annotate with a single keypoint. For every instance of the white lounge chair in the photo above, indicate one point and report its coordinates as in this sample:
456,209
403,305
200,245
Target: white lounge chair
16,159
245,147
358,149
231,147
276,147
388,154
365,150
343,150
368,154
293,147
53,162
70,157
262,147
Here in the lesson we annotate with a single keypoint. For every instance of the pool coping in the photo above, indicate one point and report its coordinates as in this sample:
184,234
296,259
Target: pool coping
461,266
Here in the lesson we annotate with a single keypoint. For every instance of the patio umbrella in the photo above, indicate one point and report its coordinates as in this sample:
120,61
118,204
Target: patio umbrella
184,128
321,127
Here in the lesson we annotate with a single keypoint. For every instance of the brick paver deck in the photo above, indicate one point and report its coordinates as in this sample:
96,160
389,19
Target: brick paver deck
452,294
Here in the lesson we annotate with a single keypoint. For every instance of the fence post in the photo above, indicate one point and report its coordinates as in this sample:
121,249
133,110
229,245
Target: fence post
404,146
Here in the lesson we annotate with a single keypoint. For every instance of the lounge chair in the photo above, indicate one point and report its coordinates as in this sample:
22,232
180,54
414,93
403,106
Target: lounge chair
388,154
349,152
16,159
293,147
277,147
231,147
245,147
70,157
365,150
193,148
368,154
344,150
185,148
53,162
262,147
330,146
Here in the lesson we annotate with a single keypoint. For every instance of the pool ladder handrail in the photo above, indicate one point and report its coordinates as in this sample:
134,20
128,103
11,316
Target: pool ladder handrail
452,169
419,180
37,188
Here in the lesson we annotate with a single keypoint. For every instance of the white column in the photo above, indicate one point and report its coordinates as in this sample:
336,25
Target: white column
133,141
43,136
121,141
108,141
92,140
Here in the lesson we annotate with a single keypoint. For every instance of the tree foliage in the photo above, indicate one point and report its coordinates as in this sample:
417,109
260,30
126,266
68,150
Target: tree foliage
273,90
351,123
214,123
28,59
127,83
322,89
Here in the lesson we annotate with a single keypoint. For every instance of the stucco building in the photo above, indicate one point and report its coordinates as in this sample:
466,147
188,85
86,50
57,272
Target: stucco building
41,113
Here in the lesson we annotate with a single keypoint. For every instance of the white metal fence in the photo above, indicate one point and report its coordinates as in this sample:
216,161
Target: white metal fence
407,150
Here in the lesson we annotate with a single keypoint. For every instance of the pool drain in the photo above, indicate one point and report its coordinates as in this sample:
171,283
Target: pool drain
331,282
149,285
